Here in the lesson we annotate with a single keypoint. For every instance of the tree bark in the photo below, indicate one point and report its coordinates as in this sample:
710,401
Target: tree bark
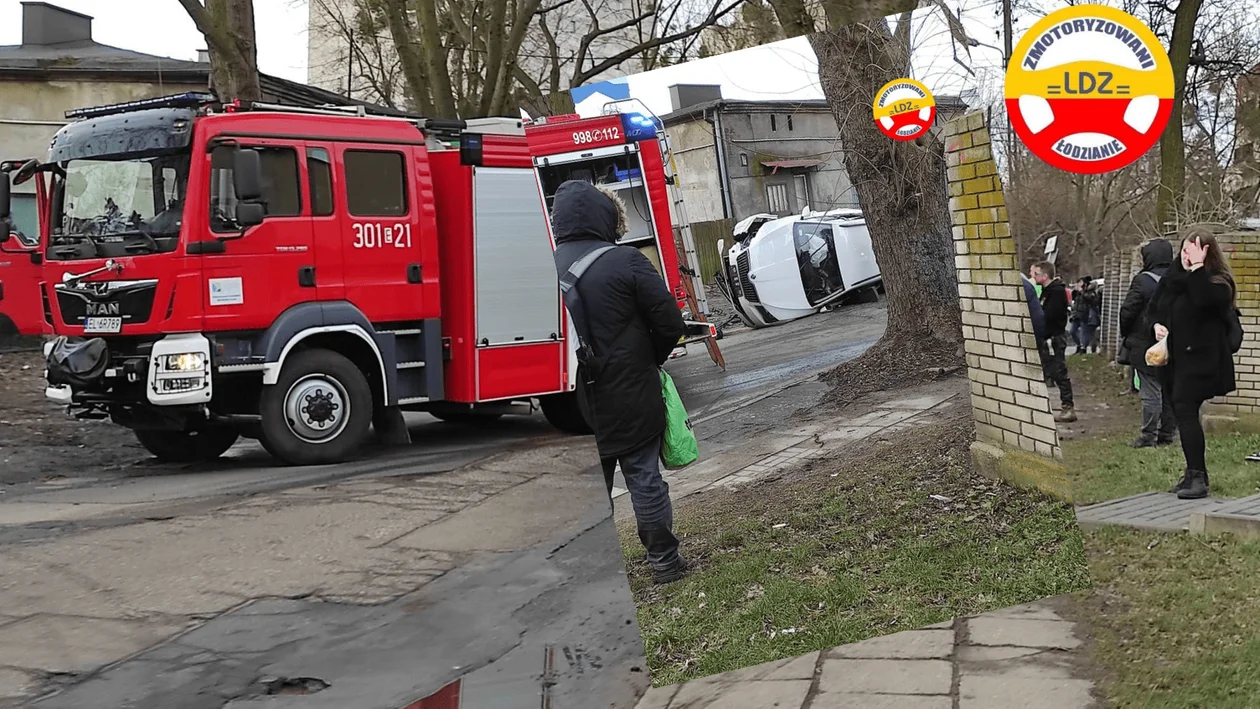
228,27
1172,146
902,190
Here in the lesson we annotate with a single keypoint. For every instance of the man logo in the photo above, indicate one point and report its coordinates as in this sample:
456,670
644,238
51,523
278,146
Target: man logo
103,309
1089,89
904,109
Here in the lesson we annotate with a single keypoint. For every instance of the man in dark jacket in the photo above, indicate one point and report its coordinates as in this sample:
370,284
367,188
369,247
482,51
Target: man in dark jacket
631,325
1054,303
1159,425
1034,311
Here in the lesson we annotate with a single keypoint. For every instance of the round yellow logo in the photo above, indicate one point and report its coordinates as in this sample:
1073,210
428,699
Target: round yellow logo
1089,89
903,109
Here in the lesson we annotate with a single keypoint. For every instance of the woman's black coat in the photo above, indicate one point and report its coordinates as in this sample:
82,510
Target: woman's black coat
1195,309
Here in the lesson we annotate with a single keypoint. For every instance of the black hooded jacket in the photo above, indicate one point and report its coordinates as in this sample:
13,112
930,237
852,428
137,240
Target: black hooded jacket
1195,308
1054,303
1136,329
633,321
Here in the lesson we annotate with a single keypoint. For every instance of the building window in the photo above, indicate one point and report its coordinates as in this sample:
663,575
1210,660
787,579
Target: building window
774,122
743,159
376,184
789,122
777,198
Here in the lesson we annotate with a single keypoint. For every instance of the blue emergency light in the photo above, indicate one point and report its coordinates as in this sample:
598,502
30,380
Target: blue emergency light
638,127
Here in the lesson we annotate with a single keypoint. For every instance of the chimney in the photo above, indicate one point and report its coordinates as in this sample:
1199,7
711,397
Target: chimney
203,56
44,24
687,95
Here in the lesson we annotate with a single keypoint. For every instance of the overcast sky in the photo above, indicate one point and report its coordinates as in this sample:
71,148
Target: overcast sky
162,27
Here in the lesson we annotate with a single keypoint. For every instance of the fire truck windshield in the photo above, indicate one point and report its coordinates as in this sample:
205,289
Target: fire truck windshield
119,207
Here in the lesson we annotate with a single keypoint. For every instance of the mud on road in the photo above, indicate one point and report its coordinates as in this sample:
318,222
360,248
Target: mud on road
40,442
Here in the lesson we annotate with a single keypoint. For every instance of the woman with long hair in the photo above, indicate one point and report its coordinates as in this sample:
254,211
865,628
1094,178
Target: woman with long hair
1191,309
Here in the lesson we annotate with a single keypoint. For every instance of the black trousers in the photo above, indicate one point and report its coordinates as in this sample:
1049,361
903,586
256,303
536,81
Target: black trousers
1193,440
1054,367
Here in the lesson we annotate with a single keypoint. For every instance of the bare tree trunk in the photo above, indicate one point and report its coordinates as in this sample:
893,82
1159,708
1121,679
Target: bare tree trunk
1172,146
228,26
903,193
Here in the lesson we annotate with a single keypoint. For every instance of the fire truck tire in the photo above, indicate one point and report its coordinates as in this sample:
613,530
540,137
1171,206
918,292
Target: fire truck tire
188,446
564,412
319,411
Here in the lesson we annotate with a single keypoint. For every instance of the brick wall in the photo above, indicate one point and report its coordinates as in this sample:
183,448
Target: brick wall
1008,392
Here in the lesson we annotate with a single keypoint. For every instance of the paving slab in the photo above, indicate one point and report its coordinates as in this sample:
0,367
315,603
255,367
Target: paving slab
842,676
1240,517
799,667
782,694
1022,633
1024,693
72,644
881,701
1155,511
906,645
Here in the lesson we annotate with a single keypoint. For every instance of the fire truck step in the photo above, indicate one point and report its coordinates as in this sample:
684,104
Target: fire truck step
410,365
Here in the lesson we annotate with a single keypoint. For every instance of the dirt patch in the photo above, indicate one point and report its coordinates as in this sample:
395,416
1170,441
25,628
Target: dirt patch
39,441
721,312
893,364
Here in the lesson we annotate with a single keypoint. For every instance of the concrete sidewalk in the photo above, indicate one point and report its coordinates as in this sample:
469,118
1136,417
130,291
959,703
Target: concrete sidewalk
1026,657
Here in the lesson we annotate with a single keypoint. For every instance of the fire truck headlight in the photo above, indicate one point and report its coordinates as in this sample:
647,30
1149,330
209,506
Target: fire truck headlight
184,362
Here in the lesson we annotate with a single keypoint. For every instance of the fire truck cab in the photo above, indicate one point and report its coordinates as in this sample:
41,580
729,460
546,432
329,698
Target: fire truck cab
21,261
299,275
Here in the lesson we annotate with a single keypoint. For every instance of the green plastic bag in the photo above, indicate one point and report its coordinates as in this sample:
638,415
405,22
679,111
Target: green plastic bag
680,448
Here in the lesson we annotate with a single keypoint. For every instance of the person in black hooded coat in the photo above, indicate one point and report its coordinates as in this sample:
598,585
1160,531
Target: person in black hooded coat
1192,309
1159,423
632,323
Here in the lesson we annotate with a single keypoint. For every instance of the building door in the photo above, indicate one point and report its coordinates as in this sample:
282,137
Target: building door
801,183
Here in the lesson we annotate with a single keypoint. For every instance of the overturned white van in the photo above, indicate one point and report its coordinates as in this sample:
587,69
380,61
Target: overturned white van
783,268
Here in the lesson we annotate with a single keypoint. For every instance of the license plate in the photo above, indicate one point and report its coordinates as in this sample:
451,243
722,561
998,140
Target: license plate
102,325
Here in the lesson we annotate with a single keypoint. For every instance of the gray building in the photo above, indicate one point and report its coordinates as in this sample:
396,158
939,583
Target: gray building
740,158
59,67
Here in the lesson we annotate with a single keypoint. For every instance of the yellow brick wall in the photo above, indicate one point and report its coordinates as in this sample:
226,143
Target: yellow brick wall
1243,250
1008,393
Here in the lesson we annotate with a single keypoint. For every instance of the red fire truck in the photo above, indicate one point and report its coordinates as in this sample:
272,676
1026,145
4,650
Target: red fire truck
21,270
298,275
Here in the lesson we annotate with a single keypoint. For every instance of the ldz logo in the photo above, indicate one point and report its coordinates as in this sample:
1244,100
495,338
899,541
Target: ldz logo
904,108
1089,89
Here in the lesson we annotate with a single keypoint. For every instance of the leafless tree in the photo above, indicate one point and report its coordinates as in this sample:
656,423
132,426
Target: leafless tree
228,26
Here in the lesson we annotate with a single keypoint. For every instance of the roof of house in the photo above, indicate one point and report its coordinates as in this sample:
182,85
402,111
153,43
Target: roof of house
697,111
92,58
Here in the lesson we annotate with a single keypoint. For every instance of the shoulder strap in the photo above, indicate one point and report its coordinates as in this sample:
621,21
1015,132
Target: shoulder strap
568,290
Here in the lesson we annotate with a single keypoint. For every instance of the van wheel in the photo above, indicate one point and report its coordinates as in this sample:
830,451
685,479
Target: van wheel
188,446
565,413
319,410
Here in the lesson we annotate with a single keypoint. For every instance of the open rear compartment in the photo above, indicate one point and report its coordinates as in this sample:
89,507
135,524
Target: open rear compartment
501,307
620,169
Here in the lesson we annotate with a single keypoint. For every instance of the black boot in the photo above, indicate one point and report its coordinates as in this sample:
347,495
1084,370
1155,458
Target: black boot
670,574
1144,441
1196,487
1183,483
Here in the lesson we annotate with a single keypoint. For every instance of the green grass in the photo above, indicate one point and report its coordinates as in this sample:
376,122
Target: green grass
850,549
1172,620
1103,466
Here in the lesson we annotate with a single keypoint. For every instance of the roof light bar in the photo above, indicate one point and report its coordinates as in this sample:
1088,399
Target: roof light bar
188,100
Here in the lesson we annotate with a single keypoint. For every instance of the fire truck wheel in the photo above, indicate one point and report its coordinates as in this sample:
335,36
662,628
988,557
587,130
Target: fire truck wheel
564,412
318,412
188,446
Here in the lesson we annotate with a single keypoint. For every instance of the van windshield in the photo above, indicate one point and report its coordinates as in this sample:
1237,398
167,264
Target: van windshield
117,207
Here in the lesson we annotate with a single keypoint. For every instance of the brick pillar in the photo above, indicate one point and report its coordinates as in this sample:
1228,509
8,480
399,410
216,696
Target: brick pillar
1108,310
1016,436
1243,251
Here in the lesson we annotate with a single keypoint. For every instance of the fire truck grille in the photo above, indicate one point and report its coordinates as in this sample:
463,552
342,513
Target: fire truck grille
745,283
132,302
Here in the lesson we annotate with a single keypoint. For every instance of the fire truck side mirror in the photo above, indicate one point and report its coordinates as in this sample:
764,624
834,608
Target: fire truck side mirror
247,175
6,201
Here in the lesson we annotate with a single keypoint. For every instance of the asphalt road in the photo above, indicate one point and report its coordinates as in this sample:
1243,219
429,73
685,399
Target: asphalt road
492,553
